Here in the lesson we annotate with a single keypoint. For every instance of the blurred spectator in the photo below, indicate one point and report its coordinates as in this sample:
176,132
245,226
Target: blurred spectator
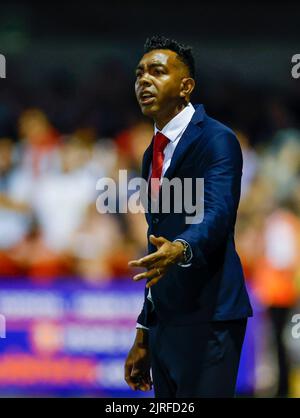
268,238
61,198
14,212
250,161
39,262
98,247
132,144
274,281
49,225
282,162
40,142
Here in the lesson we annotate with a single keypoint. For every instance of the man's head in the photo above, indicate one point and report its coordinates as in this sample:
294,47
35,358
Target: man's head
164,78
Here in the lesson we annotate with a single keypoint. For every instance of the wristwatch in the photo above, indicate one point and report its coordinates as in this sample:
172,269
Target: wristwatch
187,252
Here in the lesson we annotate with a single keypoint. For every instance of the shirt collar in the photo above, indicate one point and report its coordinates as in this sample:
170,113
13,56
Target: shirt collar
175,126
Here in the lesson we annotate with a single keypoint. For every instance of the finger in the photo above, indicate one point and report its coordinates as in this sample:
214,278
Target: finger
157,241
145,384
146,275
132,375
135,263
147,261
148,380
131,384
137,379
144,387
128,368
153,281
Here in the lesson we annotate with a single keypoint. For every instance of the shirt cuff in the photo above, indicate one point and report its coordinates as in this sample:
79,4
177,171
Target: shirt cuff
140,326
188,263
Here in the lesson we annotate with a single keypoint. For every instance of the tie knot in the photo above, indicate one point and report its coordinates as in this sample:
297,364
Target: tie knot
160,142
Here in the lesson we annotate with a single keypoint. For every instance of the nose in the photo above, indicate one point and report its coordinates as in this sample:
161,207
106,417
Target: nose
144,80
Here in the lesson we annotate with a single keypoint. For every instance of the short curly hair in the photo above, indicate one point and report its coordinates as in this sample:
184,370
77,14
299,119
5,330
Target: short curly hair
184,52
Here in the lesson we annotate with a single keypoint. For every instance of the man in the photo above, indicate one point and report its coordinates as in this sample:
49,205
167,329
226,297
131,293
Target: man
191,329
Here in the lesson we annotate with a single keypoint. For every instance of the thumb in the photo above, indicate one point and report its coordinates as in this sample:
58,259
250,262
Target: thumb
157,241
135,371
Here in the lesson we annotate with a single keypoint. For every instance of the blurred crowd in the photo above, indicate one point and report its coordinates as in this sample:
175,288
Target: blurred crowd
268,242
49,225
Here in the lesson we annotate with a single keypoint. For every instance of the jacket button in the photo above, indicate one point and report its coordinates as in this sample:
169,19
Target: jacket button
155,220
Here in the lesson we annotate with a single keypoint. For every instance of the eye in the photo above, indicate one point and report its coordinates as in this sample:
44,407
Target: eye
158,71
138,72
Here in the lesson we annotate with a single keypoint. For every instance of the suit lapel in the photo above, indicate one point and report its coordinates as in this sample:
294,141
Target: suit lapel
147,158
190,135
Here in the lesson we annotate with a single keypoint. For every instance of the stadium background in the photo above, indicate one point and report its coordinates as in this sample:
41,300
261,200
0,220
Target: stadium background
68,116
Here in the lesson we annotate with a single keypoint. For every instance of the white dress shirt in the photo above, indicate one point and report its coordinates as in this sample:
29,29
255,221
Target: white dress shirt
173,130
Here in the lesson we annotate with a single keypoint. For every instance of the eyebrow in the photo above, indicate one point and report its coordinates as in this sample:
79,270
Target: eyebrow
153,64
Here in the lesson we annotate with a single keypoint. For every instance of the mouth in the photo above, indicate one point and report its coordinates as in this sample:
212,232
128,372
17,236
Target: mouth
146,98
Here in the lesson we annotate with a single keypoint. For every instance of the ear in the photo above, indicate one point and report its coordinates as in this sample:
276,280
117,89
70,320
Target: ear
187,86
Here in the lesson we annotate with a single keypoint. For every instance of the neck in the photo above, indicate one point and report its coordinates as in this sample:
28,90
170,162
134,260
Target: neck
162,120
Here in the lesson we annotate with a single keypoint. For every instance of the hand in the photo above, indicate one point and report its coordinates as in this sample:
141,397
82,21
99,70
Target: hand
137,365
158,263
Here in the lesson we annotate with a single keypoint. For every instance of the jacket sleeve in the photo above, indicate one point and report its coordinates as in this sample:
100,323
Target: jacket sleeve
143,316
222,182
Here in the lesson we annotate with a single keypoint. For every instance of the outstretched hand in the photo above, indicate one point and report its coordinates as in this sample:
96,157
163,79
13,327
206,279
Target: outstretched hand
158,263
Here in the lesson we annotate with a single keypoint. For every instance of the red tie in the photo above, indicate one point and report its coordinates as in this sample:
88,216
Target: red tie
160,143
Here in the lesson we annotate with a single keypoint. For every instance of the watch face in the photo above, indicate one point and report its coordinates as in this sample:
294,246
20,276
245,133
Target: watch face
187,252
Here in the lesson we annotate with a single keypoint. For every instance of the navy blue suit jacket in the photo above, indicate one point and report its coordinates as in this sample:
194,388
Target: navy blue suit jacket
212,288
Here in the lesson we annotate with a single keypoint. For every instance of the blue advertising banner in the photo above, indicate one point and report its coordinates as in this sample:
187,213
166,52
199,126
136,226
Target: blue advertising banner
68,339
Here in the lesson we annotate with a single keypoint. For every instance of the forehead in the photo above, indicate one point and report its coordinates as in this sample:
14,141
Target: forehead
164,57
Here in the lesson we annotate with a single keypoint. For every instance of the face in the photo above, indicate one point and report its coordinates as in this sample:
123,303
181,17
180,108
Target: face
162,84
